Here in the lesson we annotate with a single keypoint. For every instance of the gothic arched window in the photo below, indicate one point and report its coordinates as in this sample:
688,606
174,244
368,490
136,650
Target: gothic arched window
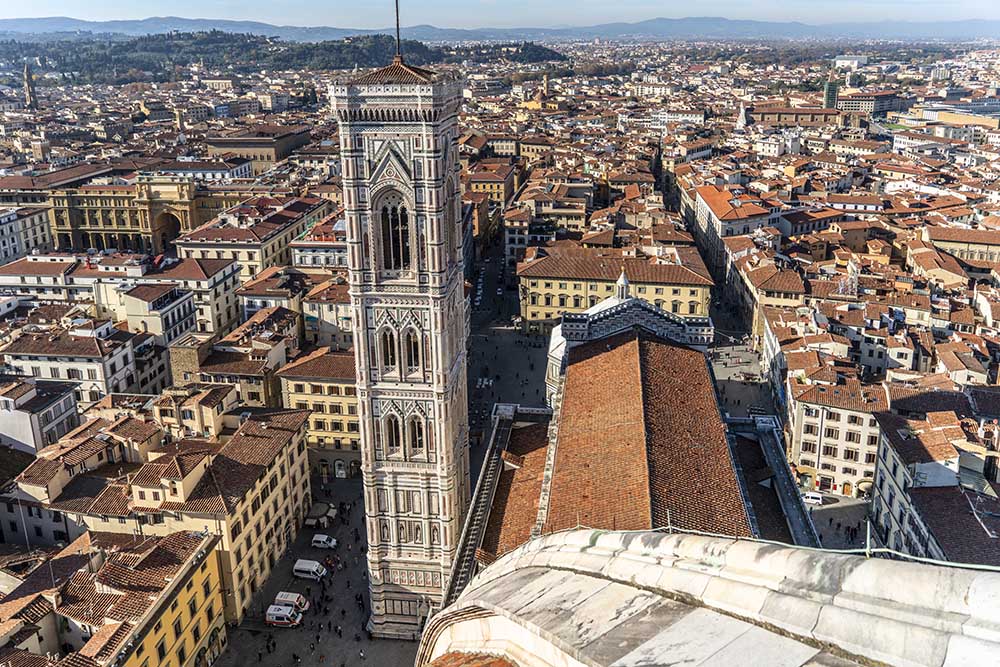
411,346
393,435
416,436
394,232
387,343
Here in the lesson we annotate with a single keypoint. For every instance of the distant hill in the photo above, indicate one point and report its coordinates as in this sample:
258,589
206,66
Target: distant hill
657,28
164,56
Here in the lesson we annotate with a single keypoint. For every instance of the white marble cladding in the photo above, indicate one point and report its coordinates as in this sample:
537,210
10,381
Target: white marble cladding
589,597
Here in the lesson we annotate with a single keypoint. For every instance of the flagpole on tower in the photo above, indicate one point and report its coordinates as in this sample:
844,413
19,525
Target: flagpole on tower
399,42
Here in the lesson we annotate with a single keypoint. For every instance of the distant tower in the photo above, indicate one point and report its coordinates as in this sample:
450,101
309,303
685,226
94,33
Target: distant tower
401,173
545,84
30,99
831,91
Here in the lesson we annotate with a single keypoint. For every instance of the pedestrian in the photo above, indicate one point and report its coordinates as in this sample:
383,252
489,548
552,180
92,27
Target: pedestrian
260,657
361,653
357,637
317,637
326,610
343,613
329,626
348,583
322,658
312,647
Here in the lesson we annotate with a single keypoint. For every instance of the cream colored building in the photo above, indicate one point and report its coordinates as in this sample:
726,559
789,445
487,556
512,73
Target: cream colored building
256,233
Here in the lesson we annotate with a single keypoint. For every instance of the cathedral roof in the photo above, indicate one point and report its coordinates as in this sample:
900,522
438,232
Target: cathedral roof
397,73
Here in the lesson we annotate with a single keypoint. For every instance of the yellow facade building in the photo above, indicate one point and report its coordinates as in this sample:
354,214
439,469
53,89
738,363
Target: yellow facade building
571,282
250,489
119,600
324,381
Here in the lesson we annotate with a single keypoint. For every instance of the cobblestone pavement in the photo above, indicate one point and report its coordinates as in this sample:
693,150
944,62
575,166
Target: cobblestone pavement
835,517
247,644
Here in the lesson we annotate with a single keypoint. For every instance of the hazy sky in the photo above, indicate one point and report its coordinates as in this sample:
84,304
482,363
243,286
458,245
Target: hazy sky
506,13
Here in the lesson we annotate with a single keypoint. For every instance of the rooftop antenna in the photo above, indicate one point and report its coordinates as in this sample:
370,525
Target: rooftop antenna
399,49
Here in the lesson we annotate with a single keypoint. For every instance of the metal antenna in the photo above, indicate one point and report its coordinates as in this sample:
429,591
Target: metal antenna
399,50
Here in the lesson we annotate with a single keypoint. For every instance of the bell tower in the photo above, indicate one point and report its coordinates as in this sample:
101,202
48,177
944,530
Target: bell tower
399,158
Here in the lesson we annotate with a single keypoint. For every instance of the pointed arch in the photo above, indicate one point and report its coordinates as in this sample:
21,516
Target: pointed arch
412,349
394,231
387,349
415,438
393,434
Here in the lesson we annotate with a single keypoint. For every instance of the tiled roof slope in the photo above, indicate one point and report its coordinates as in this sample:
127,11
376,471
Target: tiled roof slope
641,442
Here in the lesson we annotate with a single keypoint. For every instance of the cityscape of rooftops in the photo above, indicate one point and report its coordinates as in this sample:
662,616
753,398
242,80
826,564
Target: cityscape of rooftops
499,334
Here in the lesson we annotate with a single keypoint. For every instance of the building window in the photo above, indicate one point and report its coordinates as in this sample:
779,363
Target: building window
393,438
416,436
395,230
387,341
412,347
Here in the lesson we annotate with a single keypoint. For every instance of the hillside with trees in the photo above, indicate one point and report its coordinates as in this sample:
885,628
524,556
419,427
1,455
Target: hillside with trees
162,57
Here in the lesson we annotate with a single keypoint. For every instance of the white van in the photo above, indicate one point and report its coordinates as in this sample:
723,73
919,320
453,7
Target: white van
308,569
812,498
321,541
296,601
282,616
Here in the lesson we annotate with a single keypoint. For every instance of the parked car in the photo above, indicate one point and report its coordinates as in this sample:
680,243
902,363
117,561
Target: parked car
321,541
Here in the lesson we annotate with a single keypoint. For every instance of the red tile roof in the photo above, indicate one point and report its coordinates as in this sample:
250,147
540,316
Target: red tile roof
641,442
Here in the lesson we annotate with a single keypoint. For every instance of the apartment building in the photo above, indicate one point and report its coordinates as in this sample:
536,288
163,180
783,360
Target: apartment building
250,489
108,599
875,104
24,231
935,488
35,413
553,283
494,180
322,245
280,287
162,310
326,313
324,381
246,358
195,410
104,280
93,354
720,212
834,435
256,233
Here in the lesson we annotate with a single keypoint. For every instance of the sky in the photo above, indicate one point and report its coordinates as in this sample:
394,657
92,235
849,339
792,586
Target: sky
504,13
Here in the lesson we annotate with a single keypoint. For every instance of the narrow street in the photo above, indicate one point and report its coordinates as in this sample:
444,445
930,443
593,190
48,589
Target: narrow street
505,366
